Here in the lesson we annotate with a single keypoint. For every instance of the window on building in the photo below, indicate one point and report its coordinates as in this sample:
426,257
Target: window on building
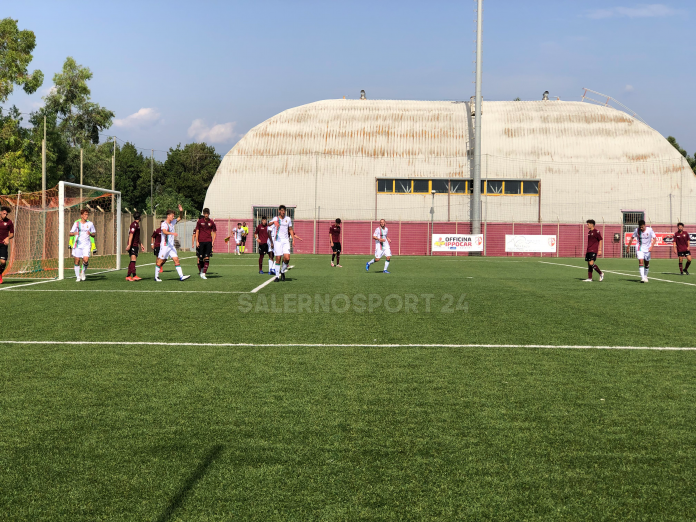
530,188
494,187
513,188
421,186
457,186
385,185
441,186
402,186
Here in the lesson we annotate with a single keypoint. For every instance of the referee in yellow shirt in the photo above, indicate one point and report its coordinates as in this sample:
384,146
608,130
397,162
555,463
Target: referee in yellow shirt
245,233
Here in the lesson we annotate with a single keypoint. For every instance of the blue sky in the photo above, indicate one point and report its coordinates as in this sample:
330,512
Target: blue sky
175,72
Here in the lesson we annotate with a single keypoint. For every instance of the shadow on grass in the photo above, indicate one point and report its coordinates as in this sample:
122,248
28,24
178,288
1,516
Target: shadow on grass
180,496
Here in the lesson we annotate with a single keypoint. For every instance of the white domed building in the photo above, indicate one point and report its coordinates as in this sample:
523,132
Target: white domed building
550,161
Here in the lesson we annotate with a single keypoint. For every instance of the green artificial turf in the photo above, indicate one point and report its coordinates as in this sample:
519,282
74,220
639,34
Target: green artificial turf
140,432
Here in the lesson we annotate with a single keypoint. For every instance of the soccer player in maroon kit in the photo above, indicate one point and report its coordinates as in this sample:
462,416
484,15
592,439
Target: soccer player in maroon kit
594,249
681,246
261,237
335,242
6,233
203,239
133,247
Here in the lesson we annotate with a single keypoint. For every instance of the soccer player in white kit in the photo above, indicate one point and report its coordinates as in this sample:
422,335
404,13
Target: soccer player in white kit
271,253
168,250
281,241
645,240
382,247
83,229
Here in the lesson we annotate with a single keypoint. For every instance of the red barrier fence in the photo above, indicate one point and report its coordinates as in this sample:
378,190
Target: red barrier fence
413,237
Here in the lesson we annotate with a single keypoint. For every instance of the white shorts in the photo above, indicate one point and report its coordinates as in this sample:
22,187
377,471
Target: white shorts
643,255
81,252
167,252
281,247
385,250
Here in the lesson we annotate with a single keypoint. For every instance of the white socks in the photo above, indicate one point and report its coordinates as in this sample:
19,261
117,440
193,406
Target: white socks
179,271
270,265
157,272
284,268
646,271
371,261
642,271
77,270
386,265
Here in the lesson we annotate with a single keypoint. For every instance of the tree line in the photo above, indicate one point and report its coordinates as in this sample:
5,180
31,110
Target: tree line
74,126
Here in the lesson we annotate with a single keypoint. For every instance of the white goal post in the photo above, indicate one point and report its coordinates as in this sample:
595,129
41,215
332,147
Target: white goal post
72,198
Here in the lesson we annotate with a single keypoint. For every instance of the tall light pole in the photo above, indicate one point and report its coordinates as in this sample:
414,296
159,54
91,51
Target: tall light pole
432,217
476,196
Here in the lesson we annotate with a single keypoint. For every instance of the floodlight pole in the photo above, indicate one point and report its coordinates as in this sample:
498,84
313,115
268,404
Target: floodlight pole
476,195
152,160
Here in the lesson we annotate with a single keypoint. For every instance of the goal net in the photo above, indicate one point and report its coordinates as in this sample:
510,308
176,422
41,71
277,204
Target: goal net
42,220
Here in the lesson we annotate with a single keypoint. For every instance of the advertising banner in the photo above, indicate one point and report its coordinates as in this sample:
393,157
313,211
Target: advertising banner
457,242
663,238
530,243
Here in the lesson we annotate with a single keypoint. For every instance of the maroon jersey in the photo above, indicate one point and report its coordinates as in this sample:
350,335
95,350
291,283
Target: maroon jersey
135,230
205,228
157,238
262,233
593,239
681,239
6,228
335,232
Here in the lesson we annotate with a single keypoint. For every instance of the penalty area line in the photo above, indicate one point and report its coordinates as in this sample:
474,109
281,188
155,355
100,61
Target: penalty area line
255,290
623,274
351,345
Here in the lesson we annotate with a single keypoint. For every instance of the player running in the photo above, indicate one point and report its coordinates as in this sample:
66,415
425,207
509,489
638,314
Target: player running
382,247
6,234
335,242
681,248
594,249
261,237
133,247
203,240
237,235
168,250
281,241
83,230
645,240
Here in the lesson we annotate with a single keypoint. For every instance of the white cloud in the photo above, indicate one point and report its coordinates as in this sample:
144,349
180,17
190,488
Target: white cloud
628,88
637,11
218,133
145,117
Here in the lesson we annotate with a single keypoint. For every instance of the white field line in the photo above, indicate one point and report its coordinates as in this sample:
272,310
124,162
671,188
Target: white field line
356,345
140,291
267,282
88,274
623,274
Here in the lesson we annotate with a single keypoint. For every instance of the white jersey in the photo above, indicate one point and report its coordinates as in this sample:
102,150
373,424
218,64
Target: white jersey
237,232
282,226
381,233
84,229
271,235
168,240
644,239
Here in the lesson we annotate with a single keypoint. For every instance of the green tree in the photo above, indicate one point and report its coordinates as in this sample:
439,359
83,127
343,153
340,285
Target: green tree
168,199
15,55
690,159
190,170
81,119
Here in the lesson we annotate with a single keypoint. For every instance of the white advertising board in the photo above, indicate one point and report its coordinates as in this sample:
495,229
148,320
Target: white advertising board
530,243
457,242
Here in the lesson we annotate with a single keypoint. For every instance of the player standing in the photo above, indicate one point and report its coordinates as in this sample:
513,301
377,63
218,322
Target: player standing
245,233
382,247
203,240
594,249
681,247
271,258
645,240
133,247
261,237
237,235
281,242
83,230
168,250
6,234
335,242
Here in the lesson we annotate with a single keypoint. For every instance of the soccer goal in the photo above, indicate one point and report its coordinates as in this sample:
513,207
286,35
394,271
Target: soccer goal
42,222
